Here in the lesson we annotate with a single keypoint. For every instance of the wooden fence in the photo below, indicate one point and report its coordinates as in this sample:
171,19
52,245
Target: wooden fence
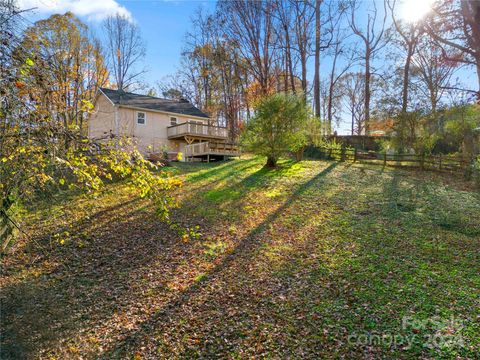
430,162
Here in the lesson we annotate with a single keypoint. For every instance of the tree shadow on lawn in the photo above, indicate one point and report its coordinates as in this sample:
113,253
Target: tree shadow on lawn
130,260
233,189
356,275
211,177
440,206
213,169
241,256
372,266
400,264
234,173
81,290
101,291
381,260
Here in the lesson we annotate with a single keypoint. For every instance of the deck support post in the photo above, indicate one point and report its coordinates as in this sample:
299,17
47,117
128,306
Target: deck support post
208,158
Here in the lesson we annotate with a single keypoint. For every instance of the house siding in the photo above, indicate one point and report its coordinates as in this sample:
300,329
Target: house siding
102,120
149,137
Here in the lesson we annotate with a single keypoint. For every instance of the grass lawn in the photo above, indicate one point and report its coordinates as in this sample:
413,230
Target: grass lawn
315,260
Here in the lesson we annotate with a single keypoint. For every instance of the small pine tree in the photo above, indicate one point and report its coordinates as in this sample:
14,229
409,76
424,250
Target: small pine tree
278,127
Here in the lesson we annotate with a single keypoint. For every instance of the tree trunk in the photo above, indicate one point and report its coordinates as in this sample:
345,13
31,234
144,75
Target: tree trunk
367,91
353,123
478,75
406,78
271,162
301,31
288,59
330,90
471,11
299,154
304,75
316,81
266,53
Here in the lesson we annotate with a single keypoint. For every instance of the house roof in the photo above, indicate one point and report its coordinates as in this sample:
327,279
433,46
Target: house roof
120,97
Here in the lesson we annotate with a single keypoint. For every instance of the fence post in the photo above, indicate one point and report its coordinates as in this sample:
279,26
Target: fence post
355,155
440,162
343,153
422,161
385,158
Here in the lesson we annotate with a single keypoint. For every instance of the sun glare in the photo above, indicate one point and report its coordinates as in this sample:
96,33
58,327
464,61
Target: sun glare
415,10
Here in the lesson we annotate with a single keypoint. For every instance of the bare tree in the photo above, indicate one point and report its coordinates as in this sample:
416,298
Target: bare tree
212,74
319,23
352,86
410,35
303,17
126,50
283,31
433,72
338,50
455,26
372,37
249,24
186,80
197,60
316,79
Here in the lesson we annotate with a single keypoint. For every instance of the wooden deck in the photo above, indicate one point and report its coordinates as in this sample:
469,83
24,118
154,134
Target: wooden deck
211,150
191,131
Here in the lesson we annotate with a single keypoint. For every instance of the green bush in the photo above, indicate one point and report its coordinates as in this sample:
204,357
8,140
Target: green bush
280,126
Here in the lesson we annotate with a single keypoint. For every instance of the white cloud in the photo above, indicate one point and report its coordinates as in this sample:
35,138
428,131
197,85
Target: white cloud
91,9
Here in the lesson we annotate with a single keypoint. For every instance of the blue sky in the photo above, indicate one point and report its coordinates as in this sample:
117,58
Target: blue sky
163,25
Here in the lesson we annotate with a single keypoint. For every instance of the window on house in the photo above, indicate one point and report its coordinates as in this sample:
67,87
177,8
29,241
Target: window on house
173,121
141,117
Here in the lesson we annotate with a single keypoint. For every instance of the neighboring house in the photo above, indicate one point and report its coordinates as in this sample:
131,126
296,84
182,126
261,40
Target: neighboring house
156,124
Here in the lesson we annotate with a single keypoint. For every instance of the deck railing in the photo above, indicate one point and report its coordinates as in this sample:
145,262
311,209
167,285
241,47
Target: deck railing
197,129
197,149
223,148
205,148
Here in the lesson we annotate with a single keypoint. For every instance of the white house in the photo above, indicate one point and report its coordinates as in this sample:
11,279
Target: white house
156,123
